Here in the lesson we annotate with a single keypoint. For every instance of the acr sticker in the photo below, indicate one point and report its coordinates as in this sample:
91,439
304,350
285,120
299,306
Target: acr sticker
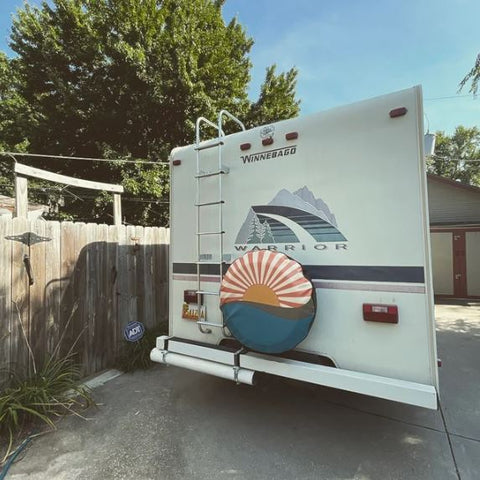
134,331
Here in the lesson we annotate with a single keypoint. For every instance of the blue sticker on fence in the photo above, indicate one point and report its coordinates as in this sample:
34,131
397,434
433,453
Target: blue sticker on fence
133,331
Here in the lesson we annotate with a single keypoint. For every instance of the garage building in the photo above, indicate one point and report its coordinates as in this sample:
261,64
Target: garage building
455,237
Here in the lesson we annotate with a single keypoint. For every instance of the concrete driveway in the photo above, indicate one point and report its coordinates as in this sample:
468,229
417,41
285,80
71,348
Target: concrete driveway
169,423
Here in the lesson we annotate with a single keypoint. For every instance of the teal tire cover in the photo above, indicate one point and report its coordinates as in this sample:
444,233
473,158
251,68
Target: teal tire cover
267,302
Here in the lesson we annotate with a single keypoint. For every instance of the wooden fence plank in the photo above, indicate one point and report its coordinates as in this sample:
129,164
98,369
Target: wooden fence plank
36,252
122,278
81,321
67,286
112,277
5,297
132,274
53,285
148,280
101,325
19,353
139,252
91,298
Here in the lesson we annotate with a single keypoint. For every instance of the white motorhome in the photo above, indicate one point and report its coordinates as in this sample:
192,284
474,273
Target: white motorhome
301,249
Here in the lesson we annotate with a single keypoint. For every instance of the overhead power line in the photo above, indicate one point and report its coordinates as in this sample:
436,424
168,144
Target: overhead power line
449,97
446,159
90,159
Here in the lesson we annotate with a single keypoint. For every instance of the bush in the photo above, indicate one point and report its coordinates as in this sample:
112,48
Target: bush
136,355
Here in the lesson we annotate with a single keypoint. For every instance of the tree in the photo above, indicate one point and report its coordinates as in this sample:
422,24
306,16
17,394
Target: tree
268,237
126,79
277,98
454,154
256,231
474,76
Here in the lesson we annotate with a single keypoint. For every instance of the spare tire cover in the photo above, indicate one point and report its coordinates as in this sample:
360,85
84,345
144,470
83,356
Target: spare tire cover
267,302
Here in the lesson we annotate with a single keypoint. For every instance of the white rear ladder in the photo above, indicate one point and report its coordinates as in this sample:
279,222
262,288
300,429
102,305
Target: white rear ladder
218,204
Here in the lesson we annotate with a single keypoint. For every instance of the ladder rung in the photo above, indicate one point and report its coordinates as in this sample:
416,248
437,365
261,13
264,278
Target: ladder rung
209,324
210,233
223,171
215,143
219,202
203,292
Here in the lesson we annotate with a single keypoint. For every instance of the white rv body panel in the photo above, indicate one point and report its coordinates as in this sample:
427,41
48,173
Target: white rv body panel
361,171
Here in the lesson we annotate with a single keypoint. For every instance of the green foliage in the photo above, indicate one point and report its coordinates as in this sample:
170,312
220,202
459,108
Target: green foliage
39,396
15,112
136,355
277,98
474,76
127,79
452,155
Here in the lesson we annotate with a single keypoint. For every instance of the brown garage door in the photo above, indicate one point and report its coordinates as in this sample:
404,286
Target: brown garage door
456,262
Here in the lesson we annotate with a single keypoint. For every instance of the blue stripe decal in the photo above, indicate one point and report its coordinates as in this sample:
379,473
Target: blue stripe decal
332,272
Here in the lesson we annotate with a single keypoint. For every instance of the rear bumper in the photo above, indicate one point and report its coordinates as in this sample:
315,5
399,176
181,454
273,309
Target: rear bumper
241,366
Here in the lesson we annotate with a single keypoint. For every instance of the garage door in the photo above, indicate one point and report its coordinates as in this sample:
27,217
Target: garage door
456,262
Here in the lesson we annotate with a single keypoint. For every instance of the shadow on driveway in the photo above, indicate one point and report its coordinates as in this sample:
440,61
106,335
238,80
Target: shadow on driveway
169,423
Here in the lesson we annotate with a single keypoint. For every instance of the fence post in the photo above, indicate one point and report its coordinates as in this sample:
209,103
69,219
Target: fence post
21,196
117,209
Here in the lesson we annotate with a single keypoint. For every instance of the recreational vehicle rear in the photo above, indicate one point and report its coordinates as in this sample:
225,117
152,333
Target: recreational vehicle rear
301,249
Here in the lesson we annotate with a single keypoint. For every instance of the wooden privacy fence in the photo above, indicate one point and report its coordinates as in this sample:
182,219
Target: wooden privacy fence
61,279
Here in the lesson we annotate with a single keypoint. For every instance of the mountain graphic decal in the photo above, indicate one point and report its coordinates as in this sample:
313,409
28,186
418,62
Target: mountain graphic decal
287,217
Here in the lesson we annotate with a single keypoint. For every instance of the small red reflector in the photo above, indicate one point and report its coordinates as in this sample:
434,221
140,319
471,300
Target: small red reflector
439,362
267,141
291,136
245,146
380,313
398,112
177,162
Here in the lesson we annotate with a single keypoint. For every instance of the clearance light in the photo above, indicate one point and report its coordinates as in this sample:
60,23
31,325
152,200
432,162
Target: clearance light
177,162
245,146
267,141
291,136
398,112
380,313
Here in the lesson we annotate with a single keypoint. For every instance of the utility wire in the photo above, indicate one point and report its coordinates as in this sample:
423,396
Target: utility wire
446,159
91,197
90,159
448,98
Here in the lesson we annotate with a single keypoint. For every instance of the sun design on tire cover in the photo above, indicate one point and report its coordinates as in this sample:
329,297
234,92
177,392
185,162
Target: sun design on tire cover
268,278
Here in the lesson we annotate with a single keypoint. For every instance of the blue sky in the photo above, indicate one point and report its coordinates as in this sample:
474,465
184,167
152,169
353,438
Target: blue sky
349,50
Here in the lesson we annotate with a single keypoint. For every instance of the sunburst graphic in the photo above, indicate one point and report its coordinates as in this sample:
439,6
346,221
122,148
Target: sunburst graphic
268,278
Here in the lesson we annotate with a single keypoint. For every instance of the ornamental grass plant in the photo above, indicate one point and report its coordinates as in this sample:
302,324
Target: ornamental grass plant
33,398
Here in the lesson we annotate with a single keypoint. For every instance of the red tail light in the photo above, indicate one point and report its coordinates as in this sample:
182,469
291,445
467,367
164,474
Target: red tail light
398,112
291,136
380,313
